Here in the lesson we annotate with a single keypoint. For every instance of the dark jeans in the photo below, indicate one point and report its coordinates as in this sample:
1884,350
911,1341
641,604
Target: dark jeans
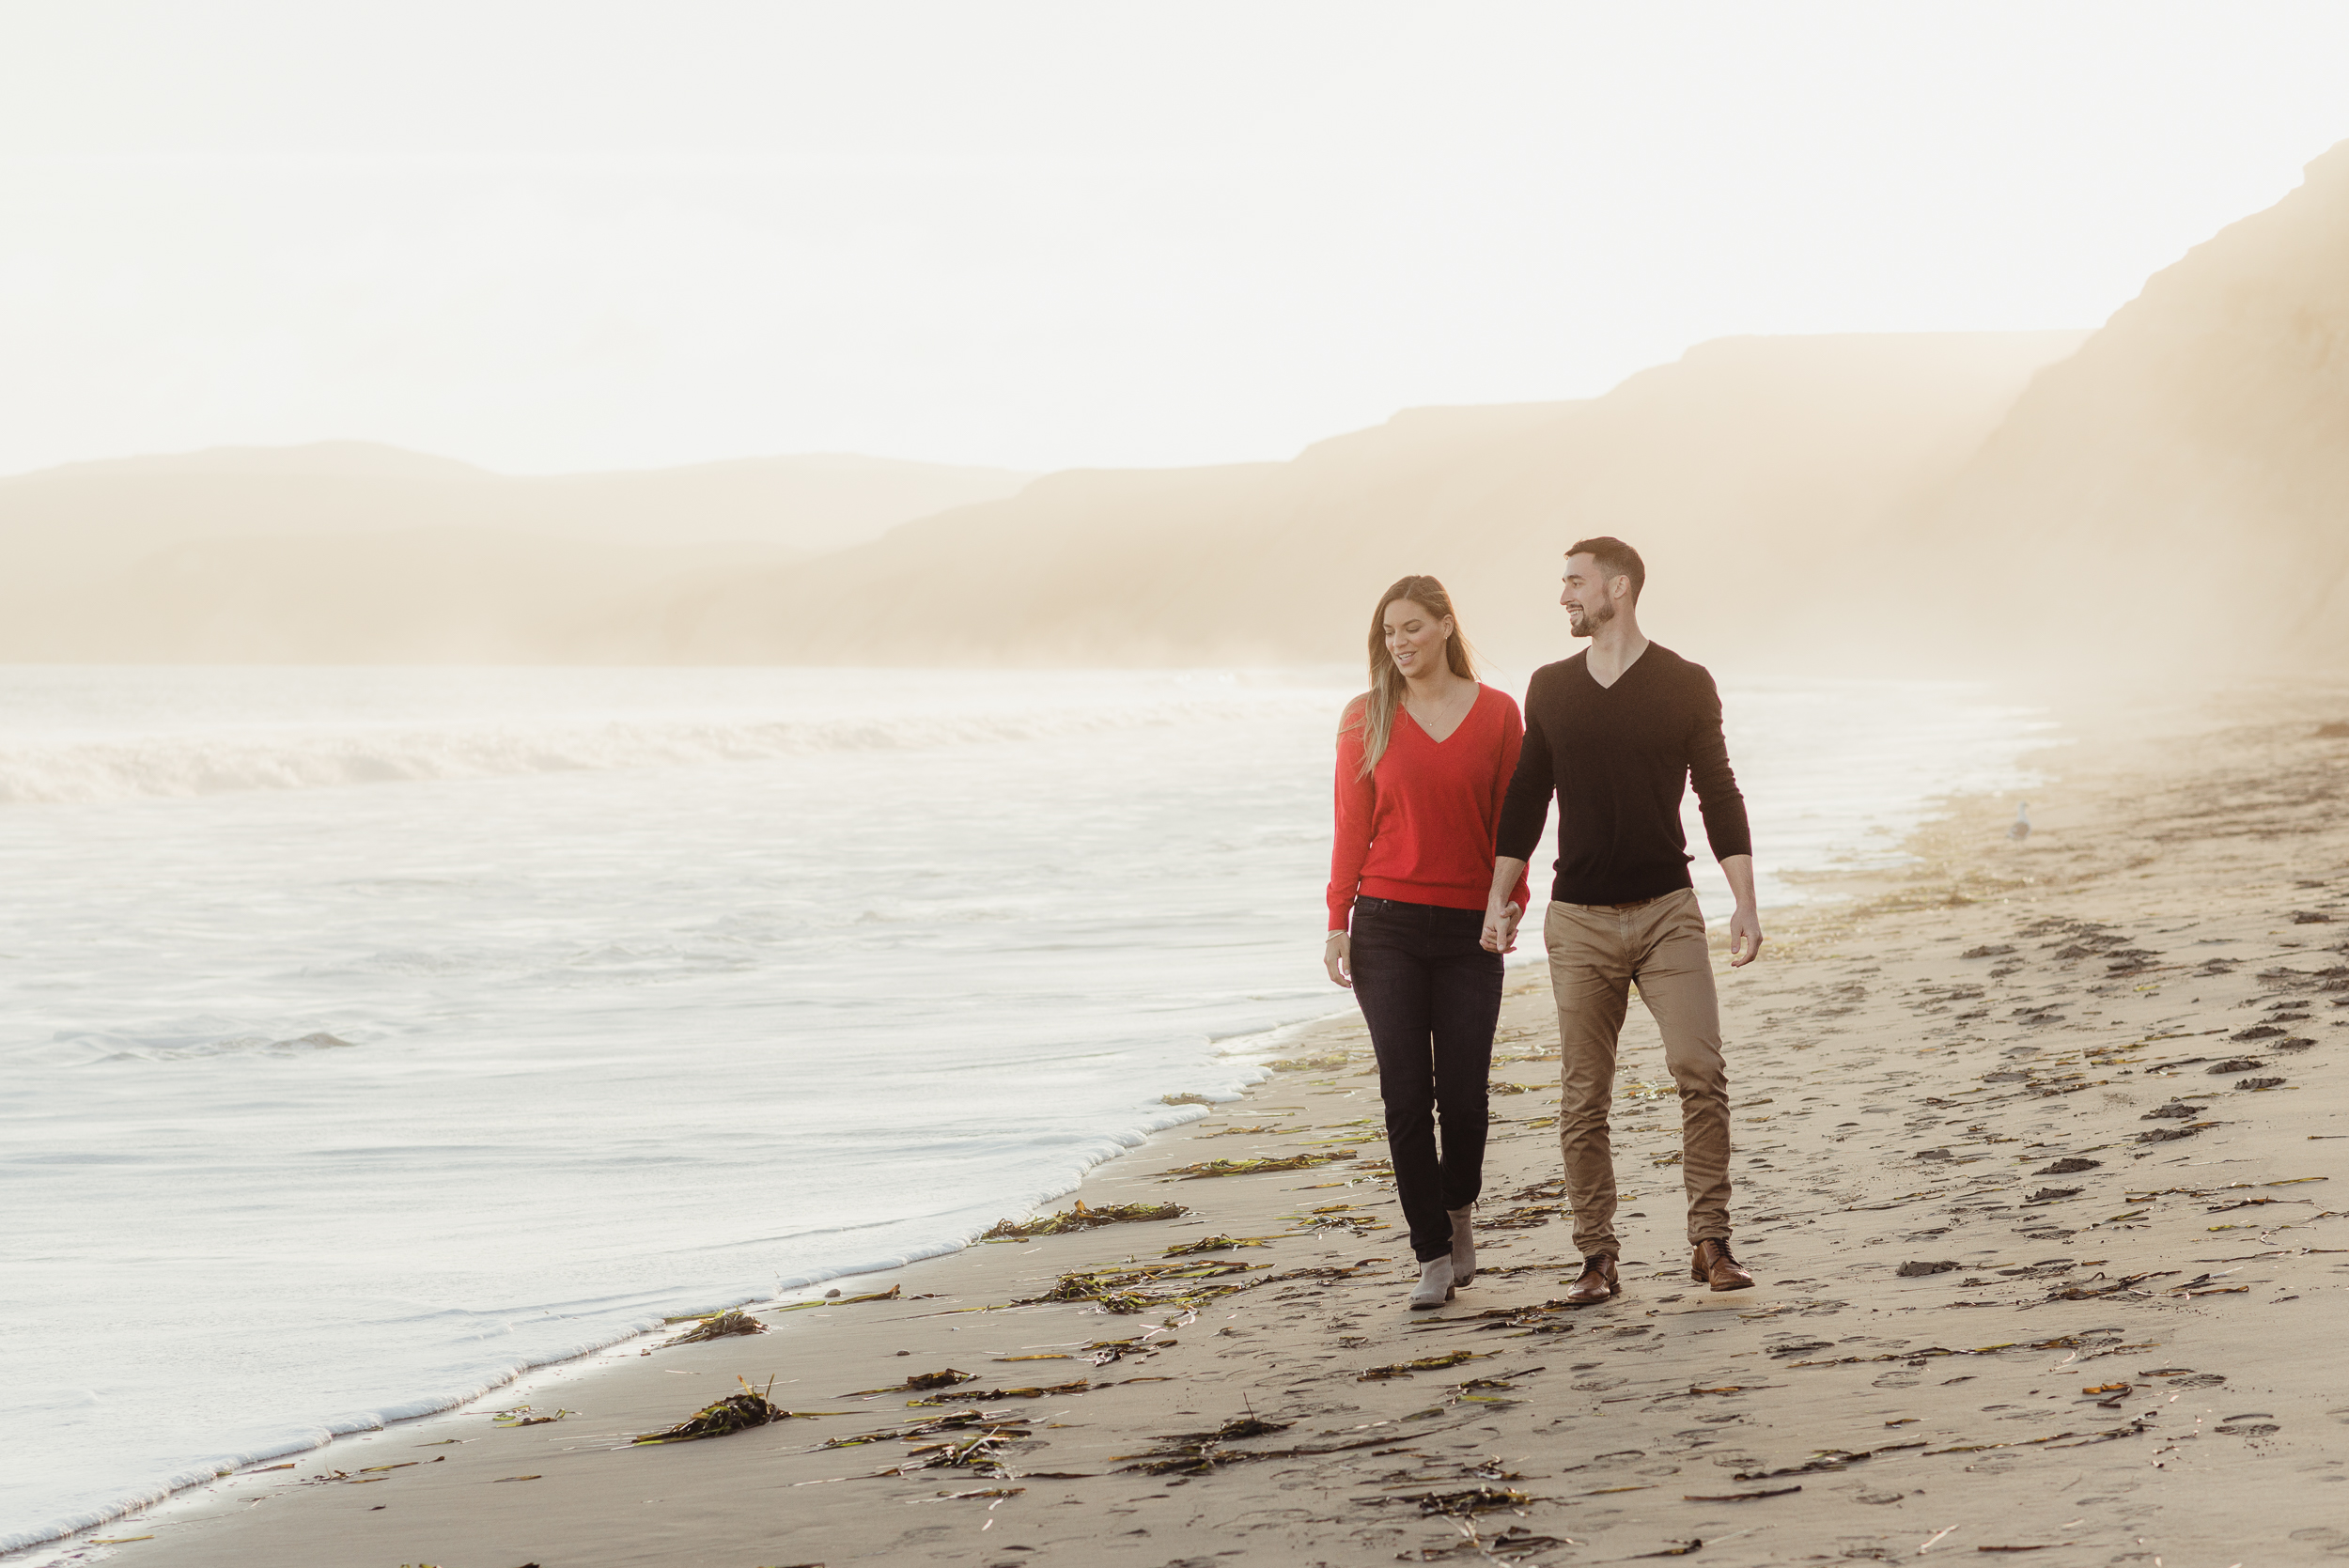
1431,998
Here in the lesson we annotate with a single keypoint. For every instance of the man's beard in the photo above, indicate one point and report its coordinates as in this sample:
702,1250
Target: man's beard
1585,622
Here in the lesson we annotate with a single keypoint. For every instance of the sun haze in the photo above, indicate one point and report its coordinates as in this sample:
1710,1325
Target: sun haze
545,237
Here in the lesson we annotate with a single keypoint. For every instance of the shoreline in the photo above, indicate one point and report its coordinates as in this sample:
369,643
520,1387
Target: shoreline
1329,1239
201,1473
1304,1036
205,1472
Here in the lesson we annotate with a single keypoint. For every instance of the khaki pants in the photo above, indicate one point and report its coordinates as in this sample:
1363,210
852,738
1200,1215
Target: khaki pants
1596,953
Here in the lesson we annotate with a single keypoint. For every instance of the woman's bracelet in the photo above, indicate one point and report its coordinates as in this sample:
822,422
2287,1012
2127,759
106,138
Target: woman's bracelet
1334,935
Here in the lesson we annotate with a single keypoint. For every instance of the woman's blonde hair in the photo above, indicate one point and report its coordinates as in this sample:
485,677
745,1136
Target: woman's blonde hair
1375,712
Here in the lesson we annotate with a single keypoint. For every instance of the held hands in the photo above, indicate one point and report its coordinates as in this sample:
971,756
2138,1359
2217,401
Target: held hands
1500,935
1337,957
1745,936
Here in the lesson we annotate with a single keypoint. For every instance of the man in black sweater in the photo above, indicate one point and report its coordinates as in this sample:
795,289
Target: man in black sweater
1614,732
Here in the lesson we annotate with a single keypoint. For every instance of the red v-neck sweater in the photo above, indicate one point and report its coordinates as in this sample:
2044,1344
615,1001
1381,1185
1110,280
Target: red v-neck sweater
1420,829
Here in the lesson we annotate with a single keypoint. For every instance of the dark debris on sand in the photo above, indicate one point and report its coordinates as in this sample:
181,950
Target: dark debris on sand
920,1382
718,1326
1050,1390
733,1413
1205,1169
1081,1217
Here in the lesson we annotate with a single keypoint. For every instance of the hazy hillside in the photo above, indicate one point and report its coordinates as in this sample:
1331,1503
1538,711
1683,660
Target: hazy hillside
348,550
1748,472
2178,491
2172,488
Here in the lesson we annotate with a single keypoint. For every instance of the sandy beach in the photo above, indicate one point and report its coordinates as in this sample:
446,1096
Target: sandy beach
2033,1137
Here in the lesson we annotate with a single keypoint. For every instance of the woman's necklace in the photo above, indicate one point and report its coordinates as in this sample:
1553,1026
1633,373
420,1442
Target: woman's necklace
1444,712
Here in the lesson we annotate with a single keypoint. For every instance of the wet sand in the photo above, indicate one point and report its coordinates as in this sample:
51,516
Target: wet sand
2036,1167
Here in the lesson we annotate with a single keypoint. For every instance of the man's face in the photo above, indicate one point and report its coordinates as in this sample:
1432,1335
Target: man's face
1589,604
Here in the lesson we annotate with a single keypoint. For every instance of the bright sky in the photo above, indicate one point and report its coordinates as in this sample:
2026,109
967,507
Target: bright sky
564,234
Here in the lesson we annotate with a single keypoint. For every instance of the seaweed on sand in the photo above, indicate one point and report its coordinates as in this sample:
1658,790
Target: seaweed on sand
1081,1217
1198,1453
1115,1289
733,1413
2088,1291
1826,1460
1325,1273
2061,1439
1102,1353
520,1416
1336,1217
1253,1167
1202,1453
718,1326
933,1426
943,1379
1547,1318
1216,1244
1327,1062
1487,1390
920,1382
976,1451
1249,1425
1921,1355
1476,1499
963,1395
836,1299
1102,1289
1512,1545
1425,1364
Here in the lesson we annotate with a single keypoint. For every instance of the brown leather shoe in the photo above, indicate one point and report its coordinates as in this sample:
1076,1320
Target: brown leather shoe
1714,1267
1598,1282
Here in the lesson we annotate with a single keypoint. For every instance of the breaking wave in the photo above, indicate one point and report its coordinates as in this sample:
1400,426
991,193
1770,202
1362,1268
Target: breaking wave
40,770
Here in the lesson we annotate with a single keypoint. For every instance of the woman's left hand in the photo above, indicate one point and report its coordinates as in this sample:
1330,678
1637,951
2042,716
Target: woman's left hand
1337,956
1514,911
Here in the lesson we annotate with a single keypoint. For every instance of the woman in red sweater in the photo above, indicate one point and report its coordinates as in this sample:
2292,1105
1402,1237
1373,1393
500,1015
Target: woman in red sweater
1425,757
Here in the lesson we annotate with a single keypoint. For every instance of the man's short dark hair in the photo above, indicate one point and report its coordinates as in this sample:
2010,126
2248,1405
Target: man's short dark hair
1616,559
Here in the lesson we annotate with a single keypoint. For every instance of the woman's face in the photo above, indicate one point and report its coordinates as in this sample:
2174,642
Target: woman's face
1415,636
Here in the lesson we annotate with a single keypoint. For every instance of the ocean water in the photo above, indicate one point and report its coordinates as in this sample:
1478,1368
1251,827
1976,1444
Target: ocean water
369,1035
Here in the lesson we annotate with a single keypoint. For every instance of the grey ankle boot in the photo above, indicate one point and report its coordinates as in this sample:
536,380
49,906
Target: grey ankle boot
1435,1284
1463,1247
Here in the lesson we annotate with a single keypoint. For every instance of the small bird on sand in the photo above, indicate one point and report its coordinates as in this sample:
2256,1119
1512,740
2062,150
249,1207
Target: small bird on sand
2019,829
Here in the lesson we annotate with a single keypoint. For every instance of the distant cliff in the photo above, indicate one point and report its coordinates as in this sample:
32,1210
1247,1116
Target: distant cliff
2176,494
1749,472
351,552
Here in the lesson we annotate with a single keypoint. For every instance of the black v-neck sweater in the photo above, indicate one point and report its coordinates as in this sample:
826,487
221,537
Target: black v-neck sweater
1616,757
